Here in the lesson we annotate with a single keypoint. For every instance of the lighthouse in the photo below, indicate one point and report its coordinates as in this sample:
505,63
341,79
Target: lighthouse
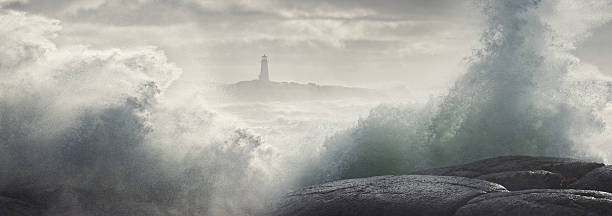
264,75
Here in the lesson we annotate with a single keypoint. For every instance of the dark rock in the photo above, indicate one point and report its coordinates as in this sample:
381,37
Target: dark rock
598,179
569,169
543,202
385,195
49,200
14,207
521,180
450,193
39,195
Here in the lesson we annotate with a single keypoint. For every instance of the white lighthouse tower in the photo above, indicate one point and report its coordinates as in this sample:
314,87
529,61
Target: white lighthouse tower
264,75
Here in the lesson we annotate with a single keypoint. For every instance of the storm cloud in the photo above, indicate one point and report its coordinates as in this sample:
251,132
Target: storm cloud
419,43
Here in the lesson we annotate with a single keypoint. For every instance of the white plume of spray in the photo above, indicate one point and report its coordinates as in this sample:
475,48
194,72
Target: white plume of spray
520,96
88,132
514,98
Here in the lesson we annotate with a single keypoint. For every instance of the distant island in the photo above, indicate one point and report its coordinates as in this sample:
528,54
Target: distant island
264,89
261,90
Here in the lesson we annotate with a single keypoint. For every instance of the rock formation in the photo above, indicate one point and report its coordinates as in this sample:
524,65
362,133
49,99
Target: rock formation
502,186
386,195
512,185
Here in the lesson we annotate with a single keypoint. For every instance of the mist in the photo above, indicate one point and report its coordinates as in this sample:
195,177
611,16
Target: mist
90,125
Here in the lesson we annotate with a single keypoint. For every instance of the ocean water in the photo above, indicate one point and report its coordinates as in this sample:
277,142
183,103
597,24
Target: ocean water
88,132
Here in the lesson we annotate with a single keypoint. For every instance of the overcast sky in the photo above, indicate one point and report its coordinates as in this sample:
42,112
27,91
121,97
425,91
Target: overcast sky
418,43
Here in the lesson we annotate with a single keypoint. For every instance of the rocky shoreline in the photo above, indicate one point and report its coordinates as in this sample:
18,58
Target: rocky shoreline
502,186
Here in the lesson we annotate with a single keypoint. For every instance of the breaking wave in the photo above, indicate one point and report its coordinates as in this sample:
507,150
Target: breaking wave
88,132
524,93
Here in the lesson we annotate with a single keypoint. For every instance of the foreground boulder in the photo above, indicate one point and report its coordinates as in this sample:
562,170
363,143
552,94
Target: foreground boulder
502,186
386,195
540,203
521,172
598,179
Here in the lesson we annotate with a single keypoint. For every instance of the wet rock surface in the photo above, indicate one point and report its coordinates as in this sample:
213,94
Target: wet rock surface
497,187
543,202
537,186
570,169
522,180
386,195
598,179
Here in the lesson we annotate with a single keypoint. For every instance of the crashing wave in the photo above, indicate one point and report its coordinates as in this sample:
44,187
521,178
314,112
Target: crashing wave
87,132
519,97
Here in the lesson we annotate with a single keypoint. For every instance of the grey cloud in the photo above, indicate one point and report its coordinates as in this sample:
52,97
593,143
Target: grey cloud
39,6
309,39
113,12
135,12
334,21
409,9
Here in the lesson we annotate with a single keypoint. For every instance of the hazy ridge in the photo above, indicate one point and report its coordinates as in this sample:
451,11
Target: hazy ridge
256,90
